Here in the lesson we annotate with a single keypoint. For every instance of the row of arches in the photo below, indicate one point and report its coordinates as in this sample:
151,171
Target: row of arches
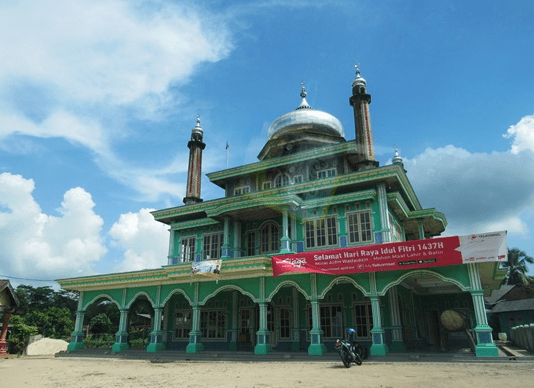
293,314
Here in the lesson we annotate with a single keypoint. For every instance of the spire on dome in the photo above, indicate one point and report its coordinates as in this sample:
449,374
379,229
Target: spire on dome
359,80
396,157
197,133
303,104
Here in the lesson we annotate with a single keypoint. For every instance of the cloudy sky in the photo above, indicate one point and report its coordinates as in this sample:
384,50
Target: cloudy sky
98,99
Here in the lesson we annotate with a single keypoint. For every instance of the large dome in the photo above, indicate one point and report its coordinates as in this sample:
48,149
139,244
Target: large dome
300,130
305,118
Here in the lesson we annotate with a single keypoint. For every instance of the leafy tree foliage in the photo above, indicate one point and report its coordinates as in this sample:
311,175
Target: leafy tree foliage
517,268
101,324
53,322
20,332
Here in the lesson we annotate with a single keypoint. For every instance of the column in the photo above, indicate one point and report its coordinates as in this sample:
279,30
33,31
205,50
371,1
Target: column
316,348
3,336
170,255
156,336
234,331
263,335
121,337
295,331
384,216
397,344
77,336
378,348
484,346
421,229
285,241
195,335
226,240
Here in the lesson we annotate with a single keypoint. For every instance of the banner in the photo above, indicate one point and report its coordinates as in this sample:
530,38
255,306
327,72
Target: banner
207,267
435,252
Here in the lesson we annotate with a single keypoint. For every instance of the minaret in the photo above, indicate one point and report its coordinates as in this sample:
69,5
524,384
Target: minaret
195,145
360,101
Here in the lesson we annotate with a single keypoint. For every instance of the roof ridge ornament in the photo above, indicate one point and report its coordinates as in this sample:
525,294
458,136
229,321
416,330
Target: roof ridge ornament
359,80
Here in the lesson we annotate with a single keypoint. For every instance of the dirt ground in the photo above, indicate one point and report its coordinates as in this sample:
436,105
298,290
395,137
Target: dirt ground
40,372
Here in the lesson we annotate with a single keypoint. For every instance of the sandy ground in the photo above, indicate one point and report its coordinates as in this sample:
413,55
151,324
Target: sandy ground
37,372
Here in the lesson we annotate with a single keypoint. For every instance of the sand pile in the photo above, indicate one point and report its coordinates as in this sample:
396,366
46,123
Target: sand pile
46,346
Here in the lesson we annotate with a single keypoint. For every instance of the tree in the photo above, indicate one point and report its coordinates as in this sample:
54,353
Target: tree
101,324
54,322
516,264
20,332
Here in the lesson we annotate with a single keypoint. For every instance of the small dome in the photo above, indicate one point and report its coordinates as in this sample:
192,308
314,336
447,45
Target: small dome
305,118
359,80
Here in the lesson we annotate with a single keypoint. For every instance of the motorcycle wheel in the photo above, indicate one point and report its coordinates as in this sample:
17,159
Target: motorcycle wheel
358,360
345,359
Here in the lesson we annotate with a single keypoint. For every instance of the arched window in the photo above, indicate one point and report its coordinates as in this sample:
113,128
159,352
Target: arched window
281,180
270,238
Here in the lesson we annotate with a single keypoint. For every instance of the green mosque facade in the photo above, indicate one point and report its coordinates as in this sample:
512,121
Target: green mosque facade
311,190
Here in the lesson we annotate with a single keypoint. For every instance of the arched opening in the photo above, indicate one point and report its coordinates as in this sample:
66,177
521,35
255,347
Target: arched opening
422,298
101,322
270,238
141,317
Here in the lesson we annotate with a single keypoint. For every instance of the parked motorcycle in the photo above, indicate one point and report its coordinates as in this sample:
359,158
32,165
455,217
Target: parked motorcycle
349,351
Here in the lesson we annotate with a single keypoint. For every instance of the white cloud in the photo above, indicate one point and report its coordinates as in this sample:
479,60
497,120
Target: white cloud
81,70
145,241
40,246
477,192
523,135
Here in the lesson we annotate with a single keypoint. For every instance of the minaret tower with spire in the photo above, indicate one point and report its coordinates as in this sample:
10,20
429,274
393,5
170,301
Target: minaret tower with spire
360,101
194,171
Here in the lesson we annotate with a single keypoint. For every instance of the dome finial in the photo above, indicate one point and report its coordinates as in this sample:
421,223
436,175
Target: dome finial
359,80
396,157
303,104
303,93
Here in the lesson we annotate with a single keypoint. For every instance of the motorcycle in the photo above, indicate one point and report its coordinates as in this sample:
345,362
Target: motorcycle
349,354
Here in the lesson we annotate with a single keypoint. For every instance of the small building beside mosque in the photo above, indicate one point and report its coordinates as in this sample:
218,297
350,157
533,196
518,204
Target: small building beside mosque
312,194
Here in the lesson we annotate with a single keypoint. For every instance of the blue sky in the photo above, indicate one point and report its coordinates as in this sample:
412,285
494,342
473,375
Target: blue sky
98,99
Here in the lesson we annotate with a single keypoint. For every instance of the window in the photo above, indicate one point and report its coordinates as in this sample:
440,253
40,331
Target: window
182,323
269,238
242,190
396,231
213,324
285,323
281,180
266,185
187,249
251,244
359,227
212,246
363,319
329,172
298,179
321,232
331,317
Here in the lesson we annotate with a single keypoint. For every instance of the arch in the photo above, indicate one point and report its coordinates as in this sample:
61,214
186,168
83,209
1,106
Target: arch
281,180
342,278
137,295
100,296
177,291
229,287
285,283
420,272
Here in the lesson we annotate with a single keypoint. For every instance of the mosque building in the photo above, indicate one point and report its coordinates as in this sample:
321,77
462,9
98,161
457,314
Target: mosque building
313,195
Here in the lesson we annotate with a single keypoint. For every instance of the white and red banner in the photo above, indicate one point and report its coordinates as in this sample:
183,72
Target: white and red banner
435,252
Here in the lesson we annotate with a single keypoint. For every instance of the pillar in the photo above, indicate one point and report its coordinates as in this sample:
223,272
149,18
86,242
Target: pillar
295,331
397,345
77,336
484,341
378,348
156,336
263,335
285,241
234,331
225,255
3,336
316,348
121,337
195,335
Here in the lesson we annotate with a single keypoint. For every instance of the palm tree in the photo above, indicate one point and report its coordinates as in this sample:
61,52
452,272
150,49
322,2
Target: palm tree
517,268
